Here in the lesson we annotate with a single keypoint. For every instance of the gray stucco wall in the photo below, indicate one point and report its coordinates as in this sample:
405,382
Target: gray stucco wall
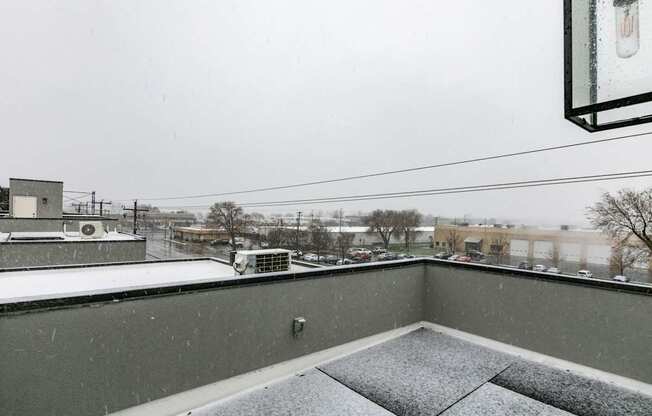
31,254
8,225
98,359
605,329
53,191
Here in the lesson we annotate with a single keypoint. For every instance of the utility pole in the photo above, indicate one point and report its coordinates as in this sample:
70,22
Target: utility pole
341,250
298,227
434,232
93,203
135,210
101,204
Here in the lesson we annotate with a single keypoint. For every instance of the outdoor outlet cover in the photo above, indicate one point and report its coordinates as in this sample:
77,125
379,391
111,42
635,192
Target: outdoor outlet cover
297,325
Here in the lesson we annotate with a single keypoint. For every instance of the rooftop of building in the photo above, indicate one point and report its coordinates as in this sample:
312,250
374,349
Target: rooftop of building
34,180
199,230
60,282
26,237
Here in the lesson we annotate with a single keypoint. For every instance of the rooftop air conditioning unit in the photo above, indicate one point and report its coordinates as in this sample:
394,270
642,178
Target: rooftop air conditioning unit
262,261
91,229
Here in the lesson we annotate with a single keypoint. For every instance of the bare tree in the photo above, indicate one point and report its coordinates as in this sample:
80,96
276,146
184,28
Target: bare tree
453,239
281,237
230,217
625,256
320,237
382,222
4,199
406,223
553,257
499,247
344,242
626,214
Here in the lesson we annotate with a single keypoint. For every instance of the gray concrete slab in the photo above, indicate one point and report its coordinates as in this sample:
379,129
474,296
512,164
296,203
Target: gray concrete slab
579,395
312,394
421,373
494,400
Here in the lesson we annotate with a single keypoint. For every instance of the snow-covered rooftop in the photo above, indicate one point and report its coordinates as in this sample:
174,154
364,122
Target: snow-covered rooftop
47,237
23,285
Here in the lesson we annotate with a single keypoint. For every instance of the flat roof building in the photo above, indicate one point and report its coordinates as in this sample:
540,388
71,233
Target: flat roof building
37,206
199,234
34,249
36,231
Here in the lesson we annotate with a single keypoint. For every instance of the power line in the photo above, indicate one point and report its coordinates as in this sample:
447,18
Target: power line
442,191
406,170
449,192
427,191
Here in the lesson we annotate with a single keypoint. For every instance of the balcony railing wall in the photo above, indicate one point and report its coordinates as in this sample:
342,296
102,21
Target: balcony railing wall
95,355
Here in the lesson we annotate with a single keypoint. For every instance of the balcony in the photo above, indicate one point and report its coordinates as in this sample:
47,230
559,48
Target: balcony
413,337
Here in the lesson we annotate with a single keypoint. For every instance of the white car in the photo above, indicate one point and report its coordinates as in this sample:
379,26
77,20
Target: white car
454,257
620,278
554,270
539,268
311,257
585,273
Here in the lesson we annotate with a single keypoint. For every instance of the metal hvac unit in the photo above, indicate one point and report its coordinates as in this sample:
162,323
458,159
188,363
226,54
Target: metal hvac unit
91,229
262,261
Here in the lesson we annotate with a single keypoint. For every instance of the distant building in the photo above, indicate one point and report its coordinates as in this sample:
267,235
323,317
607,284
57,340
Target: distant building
36,249
37,206
36,232
551,244
155,219
197,234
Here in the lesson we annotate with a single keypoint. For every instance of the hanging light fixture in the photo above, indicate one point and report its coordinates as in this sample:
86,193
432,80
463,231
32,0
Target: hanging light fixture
607,75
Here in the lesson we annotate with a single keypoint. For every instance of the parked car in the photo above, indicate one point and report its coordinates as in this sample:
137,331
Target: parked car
554,270
539,268
442,255
476,255
296,253
525,265
464,258
311,257
621,278
584,273
387,256
331,259
454,257
361,256
378,250
409,256
342,262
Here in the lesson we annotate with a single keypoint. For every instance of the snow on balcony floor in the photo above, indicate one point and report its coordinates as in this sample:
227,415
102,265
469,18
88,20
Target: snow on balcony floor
428,373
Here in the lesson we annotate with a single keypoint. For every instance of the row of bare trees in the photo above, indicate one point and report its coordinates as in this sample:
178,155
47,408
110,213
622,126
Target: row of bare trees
387,222
316,237
626,216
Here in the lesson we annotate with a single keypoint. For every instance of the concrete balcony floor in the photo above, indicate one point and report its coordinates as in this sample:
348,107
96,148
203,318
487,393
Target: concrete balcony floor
429,373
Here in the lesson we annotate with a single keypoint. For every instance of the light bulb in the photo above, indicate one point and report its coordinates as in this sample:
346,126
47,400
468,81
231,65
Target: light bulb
627,28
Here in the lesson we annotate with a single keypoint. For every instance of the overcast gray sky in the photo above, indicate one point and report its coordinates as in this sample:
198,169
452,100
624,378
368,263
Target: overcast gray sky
153,98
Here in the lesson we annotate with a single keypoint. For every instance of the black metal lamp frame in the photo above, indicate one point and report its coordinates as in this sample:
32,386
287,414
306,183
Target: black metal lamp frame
574,114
